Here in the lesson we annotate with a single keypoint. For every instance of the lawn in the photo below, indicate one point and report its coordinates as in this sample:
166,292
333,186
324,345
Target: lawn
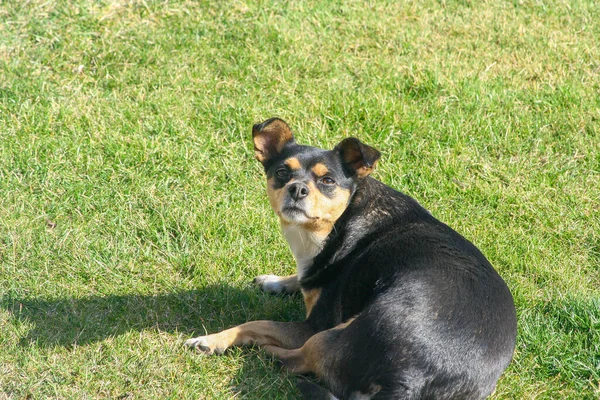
133,214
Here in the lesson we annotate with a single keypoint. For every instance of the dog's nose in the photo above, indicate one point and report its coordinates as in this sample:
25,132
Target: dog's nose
298,190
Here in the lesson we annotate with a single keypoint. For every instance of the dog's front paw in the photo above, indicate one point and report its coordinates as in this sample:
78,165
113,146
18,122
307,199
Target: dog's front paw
271,283
205,344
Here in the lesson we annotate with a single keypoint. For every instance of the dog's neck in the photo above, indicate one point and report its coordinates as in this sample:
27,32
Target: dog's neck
374,206
305,245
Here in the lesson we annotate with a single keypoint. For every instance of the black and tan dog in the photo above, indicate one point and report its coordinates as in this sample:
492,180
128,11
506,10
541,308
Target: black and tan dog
399,305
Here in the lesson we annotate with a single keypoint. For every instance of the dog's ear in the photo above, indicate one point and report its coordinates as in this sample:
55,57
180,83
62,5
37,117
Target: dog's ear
269,138
357,157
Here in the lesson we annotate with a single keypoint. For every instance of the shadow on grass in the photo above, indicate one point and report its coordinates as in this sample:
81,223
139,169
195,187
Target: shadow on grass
562,335
78,321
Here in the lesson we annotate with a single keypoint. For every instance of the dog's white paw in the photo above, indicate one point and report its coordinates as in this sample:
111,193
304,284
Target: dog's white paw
205,345
270,283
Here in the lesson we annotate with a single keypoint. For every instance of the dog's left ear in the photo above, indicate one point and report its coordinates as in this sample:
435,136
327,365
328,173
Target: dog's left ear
357,156
269,138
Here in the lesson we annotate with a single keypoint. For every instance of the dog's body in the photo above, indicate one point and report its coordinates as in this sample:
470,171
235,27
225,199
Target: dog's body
399,305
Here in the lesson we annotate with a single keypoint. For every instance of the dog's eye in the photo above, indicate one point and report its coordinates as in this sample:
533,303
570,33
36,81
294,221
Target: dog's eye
282,172
327,180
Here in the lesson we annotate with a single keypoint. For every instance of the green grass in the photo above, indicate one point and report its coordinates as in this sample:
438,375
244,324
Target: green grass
133,215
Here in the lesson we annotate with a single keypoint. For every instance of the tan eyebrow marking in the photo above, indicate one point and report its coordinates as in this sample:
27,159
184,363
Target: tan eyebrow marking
293,163
320,169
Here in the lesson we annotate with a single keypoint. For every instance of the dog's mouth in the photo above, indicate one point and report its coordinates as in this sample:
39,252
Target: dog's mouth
294,210
295,213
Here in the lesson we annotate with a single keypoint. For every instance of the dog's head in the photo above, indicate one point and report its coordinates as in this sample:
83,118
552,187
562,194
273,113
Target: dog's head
306,185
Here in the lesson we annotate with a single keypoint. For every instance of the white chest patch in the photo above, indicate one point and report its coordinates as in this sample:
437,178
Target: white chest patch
305,246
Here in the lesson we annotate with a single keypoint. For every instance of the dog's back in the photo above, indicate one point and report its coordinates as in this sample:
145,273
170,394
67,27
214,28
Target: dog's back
433,318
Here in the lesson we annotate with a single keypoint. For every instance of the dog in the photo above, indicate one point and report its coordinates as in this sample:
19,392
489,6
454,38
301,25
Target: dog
398,304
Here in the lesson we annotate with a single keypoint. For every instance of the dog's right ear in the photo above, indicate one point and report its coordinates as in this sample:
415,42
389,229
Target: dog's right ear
269,138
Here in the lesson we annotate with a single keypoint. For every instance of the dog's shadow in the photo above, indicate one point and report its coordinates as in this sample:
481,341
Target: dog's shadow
71,322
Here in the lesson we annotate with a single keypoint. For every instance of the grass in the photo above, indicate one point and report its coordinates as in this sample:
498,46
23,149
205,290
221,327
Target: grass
132,213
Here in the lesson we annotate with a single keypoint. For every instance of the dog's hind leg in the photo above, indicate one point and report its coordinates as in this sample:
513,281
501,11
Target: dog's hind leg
311,356
312,391
286,335
331,356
